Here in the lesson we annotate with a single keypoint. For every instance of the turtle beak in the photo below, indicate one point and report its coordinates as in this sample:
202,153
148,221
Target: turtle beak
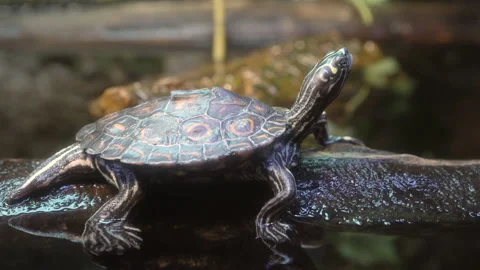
342,74
347,56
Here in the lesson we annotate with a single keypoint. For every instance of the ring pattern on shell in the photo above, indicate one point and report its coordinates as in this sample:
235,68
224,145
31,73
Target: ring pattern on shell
187,126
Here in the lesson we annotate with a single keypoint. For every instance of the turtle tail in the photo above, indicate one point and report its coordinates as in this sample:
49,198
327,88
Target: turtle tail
58,167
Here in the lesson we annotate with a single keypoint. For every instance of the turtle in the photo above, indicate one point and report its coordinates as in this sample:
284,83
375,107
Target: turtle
193,132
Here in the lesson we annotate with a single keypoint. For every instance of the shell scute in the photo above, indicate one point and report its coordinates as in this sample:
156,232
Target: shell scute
99,144
275,124
201,129
213,150
146,109
226,104
164,154
191,153
273,128
108,118
241,126
259,108
122,127
158,129
277,118
137,153
187,104
239,144
88,139
116,148
260,137
85,131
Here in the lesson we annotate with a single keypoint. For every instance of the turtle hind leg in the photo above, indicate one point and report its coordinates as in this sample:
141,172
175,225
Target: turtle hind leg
108,230
320,132
55,169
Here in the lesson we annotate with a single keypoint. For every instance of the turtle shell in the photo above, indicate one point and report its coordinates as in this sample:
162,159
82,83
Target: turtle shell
187,127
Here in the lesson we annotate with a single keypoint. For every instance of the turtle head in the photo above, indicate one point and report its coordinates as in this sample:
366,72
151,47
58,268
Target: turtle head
326,79
319,88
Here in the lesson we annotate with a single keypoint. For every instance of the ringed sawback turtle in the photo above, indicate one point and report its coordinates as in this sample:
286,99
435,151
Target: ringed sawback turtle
207,131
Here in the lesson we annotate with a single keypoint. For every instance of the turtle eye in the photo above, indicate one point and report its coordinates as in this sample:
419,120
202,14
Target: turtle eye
342,63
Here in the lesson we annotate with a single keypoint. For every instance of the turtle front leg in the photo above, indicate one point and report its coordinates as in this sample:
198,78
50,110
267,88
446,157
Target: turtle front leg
320,132
108,230
269,227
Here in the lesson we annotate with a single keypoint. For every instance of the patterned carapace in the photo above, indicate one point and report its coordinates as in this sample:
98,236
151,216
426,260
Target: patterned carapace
186,127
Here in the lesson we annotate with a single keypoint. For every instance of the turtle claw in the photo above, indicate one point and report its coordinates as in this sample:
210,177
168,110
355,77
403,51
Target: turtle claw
110,237
275,233
15,197
131,228
134,235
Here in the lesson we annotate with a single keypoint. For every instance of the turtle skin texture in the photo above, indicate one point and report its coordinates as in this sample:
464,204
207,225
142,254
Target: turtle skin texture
187,128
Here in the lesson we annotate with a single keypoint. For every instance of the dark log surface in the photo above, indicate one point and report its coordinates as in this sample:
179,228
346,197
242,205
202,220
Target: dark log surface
354,188
343,188
249,23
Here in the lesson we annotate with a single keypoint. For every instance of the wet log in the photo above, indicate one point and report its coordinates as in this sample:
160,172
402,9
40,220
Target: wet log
342,188
249,23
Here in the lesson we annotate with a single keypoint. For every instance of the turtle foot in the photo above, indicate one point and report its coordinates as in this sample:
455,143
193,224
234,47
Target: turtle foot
275,233
279,237
110,236
344,139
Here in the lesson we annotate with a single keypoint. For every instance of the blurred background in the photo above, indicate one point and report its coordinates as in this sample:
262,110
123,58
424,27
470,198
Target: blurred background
414,87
